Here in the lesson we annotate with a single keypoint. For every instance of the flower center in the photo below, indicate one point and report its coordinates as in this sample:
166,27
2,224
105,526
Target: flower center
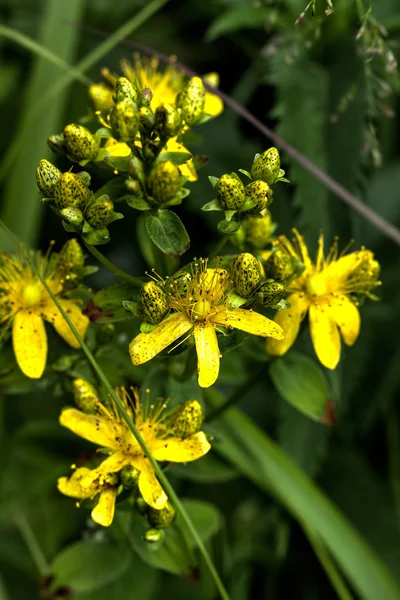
200,310
316,286
31,294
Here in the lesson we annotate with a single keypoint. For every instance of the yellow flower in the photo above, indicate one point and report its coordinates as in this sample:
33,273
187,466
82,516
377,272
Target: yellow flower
24,303
328,290
109,431
201,310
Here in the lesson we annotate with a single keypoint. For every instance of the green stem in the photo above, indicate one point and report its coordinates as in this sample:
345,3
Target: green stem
32,544
236,396
109,265
219,246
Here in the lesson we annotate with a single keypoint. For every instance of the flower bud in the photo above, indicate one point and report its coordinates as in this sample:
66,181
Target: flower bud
72,216
153,536
279,266
259,192
230,192
187,419
124,120
101,97
80,142
191,100
100,212
70,191
134,187
129,476
141,505
146,96
135,168
267,166
71,255
246,274
147,119
124,90
164,181
47,176
178,283
152,303
258,230
168,121
161,519
56,142
105,333
270,292
71,281
85,395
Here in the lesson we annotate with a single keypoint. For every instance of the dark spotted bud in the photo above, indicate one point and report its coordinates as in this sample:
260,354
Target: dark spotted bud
72,216
154,536
124,90
168,121
246,274
124,120
85,395
71,255
80,142
187,419
70,191
279,266
161,519
230,192
164,181
100,212
101,97
179,283
129,476
152,303
270,292
105,333
191,100
47,176
146,96
267,166
56,142
258,230
259,192
147,119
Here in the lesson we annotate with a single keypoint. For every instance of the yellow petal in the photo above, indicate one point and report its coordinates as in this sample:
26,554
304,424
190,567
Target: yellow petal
93,428
207,354
147,345
347,317
51,313
115,148
187,169
79,485
30,343
289,319
113,463
103,513
325,336
149,486
249,321
177,450
304,255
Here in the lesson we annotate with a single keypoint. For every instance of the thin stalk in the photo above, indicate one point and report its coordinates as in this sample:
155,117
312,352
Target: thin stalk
111,267
219,246
236,396
32,544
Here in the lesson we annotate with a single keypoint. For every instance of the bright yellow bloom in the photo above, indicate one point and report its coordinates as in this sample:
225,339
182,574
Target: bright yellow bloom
24,303
328,291
201,310
108,430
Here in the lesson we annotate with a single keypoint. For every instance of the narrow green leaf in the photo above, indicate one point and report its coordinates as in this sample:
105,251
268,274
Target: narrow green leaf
237,18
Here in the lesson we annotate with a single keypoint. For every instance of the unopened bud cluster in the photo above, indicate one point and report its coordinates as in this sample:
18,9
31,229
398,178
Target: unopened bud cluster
248,278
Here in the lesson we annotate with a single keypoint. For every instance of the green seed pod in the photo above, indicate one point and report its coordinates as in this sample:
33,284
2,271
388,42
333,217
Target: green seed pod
72,216
270,292
161,519
85,395
191,100
246,274
147,119
153,536
100,212
279,266
80,142
124,120
105,333
152,303
187,419
71,256
70,191
129,476
101,97
124,90
259,192
164,181
178,283
56,142
230,192
168,121
267,166
47,176
258,230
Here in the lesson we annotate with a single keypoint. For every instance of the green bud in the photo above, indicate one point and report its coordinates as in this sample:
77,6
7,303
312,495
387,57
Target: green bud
267,166
70,191
71,255
105,333
141,505
259,192
56,142
101,97
279,266
71,281
124,120
85,395
47,176
191,100
164,181
187,419
258,230
168,121
129,476
152,303
124,90
230,192
270,292
135,168
72,216
100,212
246,274
80,142
134,187
178,283
153,536
161,519
147,119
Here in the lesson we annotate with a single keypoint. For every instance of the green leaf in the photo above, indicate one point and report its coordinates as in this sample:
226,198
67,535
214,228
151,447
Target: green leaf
110,298
213,180
237,18
208,469
120,163
302,383
136,202
213,205
95,237
228,226
206,518
167,232
177,158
